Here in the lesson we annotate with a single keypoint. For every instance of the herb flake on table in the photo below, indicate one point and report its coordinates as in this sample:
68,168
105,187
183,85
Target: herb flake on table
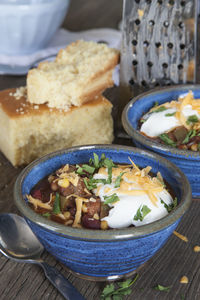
117,291
162,288
141,213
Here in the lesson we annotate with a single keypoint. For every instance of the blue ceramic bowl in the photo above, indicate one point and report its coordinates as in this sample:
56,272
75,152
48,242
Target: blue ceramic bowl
28,25
187,161
98,254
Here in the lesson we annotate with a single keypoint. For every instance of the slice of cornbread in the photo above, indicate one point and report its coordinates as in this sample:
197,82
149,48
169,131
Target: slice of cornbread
79,73
29,131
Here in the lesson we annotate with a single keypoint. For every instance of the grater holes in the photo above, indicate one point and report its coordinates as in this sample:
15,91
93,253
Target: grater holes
137,1
131,81
166,24
151,22
134,62
160,2
182,46
158,44
170,45
149,64
146,43
137,22
148,1
171,2
181,25
134,42
165,65
180,66
183,3
144,83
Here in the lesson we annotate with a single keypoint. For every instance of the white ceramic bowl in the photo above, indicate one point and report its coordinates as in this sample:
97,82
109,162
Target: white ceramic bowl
28,25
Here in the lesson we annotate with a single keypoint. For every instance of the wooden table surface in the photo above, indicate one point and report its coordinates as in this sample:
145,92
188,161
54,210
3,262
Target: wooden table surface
176,259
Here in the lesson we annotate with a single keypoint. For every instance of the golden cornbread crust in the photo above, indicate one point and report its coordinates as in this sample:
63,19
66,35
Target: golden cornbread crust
29,131
80,71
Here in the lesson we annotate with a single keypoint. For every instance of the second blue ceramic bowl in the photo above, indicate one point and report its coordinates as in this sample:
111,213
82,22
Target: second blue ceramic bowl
98,254
187,161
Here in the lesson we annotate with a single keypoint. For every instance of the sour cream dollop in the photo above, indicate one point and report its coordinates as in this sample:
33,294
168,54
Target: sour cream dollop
160,122
175,114
135,205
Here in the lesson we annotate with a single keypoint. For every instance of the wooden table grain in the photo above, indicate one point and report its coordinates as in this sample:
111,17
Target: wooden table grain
176,259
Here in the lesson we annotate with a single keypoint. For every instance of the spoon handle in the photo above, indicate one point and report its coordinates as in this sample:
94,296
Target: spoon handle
61,283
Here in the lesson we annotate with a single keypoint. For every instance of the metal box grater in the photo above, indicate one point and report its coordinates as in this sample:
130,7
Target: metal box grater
159,44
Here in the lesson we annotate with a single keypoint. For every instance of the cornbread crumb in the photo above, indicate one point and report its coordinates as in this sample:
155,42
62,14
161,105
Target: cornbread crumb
19,92
196,248
81,72
180,236
184,279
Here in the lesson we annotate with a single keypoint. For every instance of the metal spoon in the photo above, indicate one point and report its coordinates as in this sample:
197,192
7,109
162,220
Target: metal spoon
19,243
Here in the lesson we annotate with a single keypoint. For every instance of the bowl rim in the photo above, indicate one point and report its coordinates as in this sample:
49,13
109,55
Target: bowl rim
101,235
135,134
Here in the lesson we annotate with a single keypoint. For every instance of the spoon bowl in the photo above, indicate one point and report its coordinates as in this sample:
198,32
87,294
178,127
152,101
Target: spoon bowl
18,242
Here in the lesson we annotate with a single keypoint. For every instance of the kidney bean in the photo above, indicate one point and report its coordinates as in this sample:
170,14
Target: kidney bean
90,223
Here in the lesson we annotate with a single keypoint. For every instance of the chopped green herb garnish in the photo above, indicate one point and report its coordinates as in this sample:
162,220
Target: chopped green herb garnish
84,168
90,184
47,214
162,288
170,114
79,170
141,213
155,104
189,135
119,179
56,205
142,120
198,147
123,289
164,137
192,119
88,169
170,207
111,199
159,109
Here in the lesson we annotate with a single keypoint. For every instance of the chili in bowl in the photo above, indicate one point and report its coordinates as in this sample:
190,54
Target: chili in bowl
167,121
104,251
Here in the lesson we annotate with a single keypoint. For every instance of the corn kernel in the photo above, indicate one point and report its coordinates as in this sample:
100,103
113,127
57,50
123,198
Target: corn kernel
184,279
84,208
96,216
67,215
63,182
104,225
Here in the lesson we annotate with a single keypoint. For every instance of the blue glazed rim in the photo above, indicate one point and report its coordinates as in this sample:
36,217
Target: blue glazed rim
136,135
100,235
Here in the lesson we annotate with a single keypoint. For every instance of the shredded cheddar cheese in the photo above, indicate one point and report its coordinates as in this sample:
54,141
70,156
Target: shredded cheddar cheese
180,236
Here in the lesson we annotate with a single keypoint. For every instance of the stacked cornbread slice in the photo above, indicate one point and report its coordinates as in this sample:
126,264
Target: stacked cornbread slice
61,106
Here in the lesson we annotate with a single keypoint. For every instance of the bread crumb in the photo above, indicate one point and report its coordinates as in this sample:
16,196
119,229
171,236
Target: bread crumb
19,93
184,279
36,106
196,248
180,236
